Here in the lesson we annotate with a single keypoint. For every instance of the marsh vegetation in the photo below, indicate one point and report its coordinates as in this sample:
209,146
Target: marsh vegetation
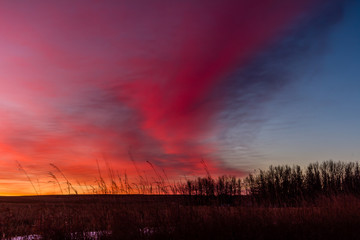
318,202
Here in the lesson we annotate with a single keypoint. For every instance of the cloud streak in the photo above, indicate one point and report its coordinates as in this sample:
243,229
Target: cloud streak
95,79
253,85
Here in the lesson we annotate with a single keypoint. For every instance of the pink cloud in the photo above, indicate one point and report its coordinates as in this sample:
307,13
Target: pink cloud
80,80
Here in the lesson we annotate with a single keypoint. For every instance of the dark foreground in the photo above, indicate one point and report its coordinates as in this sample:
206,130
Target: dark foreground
175,217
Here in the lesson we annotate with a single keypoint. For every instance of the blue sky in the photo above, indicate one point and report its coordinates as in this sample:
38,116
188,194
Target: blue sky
240,84
317,117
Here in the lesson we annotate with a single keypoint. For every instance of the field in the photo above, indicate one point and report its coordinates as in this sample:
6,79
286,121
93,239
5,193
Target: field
174,217
282,202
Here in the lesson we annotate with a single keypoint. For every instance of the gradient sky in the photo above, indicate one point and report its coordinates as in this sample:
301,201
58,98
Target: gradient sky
240,84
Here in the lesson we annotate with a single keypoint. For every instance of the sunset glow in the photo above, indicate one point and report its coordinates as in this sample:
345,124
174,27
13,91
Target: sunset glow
99,85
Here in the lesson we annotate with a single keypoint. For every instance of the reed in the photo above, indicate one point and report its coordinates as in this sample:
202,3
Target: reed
320,201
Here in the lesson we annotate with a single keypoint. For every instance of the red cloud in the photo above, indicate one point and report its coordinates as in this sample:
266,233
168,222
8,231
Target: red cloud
95,78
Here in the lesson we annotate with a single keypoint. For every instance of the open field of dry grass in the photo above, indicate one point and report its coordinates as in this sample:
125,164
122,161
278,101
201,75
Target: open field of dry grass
282,202
175,217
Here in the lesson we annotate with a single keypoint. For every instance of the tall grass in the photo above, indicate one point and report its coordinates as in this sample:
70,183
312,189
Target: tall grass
317,202
281,183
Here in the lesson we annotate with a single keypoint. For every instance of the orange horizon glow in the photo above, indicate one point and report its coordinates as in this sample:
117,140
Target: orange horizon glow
81,82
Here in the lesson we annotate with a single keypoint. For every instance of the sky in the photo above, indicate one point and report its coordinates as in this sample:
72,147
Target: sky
135,86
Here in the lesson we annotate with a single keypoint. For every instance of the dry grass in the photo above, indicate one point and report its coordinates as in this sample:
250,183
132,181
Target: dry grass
202,208
175,217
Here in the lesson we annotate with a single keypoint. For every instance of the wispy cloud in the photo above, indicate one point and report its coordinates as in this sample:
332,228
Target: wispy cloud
87,80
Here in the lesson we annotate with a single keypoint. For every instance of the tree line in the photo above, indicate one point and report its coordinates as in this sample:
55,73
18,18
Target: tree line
279,184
